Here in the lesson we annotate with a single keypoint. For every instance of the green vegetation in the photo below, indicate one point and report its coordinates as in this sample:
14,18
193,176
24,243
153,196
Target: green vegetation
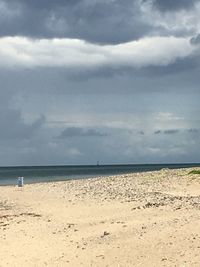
195,172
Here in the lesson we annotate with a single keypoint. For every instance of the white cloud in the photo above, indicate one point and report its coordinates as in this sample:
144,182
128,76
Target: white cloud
74,53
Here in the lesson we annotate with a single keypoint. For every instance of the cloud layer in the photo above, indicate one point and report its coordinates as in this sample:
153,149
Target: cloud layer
109,80
82,19
171,5
70,53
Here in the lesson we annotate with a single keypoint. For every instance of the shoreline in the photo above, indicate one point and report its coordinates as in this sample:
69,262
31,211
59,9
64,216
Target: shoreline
82,177
135,219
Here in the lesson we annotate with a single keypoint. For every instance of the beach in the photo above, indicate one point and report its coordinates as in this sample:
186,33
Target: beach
139,219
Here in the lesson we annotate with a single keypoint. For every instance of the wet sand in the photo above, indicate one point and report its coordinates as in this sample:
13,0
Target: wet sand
140,219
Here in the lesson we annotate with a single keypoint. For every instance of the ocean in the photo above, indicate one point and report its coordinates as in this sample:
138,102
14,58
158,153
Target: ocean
38,174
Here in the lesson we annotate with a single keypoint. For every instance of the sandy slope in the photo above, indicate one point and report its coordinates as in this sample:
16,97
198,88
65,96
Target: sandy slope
144,219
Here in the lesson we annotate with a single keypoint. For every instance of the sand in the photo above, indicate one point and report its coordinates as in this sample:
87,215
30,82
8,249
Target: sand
141,219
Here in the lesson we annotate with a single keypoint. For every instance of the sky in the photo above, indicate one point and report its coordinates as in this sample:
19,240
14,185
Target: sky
112,81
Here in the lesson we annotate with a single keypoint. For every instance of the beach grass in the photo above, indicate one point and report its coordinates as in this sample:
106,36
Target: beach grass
195,172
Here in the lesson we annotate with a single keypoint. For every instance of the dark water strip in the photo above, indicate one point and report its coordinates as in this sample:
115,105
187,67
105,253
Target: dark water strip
37,174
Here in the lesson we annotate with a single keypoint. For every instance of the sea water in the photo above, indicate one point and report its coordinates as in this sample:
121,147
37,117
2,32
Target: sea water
37,174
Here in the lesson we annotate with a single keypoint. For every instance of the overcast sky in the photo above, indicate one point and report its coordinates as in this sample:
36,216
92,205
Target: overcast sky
112,81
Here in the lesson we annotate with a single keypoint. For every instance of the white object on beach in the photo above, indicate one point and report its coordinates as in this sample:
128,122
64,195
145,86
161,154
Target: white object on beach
20,181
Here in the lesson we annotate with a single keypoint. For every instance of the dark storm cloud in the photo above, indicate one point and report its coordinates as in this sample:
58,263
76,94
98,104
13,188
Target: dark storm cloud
13,126
96,21
158,132
176,131
195,40
173,131
141,132
185,65
173,5
183,75
12,123
194,131
79,132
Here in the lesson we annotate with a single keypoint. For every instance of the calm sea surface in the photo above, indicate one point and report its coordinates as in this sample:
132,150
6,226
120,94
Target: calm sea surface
9,175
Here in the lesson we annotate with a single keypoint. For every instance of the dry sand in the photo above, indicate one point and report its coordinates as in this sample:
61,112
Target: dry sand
141,219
